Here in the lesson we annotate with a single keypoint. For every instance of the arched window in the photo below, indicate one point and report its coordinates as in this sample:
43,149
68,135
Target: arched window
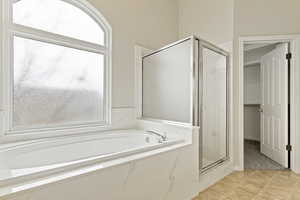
56,66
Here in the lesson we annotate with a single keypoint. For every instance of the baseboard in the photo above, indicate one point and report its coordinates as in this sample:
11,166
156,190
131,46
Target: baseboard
251,139
238,168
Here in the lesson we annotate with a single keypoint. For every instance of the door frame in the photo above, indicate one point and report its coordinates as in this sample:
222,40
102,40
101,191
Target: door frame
294,44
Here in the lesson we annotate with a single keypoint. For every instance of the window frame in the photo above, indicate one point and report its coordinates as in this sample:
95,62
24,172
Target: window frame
10,30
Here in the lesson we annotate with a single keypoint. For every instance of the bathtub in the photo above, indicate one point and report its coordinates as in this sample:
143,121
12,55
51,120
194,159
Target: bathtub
40,158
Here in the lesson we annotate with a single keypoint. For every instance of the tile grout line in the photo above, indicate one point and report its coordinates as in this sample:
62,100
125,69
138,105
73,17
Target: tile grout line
266,185
266,180
232,192
294,188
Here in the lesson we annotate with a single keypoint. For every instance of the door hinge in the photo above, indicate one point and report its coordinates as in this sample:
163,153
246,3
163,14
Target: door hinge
289,56
288,147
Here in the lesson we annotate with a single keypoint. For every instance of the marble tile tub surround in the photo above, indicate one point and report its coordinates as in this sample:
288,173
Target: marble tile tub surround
255,185
169,175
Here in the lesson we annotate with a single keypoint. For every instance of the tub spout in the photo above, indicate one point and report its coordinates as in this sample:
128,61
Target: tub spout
162,136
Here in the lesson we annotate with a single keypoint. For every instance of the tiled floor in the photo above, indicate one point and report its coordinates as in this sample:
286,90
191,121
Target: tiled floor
255,185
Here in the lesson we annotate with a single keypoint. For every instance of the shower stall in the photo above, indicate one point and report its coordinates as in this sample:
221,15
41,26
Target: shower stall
187,83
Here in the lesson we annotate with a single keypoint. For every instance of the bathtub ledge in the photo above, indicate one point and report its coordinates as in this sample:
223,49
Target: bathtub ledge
16,185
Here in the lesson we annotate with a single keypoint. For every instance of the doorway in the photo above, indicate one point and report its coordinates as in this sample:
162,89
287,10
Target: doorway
294,105
266,105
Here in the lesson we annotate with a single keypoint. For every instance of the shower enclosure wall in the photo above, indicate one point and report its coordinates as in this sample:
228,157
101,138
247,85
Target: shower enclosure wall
187,83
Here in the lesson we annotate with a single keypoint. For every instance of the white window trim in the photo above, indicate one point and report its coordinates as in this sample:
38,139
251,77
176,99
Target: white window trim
8,31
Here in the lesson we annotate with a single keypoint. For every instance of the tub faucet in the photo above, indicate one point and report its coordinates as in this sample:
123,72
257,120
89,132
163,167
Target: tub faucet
162,136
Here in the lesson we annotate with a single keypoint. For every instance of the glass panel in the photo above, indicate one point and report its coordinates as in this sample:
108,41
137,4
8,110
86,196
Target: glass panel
58,17
55,84
167,84
214,107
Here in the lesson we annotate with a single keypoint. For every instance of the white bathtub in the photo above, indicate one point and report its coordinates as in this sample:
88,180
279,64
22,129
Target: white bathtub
39,158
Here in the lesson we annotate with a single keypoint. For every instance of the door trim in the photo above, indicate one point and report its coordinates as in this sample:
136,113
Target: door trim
294,93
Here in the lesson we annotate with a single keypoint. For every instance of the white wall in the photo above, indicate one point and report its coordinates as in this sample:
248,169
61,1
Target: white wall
256,54
1,36
211,20
252,92
252,123
148,23
268,17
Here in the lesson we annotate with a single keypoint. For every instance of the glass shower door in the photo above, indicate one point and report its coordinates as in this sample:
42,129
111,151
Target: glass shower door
214,126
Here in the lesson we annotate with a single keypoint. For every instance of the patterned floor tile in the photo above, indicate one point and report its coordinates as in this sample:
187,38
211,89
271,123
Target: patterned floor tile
255,185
